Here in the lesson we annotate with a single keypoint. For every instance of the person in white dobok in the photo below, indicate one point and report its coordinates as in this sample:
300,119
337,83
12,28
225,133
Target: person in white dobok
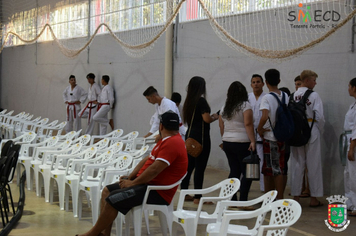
162,105
255,98
309,155
73,96
90,110
350,155
105,102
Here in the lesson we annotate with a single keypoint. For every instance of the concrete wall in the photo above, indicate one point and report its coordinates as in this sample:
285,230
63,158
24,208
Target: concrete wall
37,87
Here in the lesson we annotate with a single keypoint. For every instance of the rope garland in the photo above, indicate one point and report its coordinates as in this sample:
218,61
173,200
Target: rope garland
143,48
274,54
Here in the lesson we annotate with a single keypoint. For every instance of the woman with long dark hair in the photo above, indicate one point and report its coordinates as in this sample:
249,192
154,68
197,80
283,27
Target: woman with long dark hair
236,129
196,114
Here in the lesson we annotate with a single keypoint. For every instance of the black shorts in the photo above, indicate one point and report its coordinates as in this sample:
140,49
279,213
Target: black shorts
125,199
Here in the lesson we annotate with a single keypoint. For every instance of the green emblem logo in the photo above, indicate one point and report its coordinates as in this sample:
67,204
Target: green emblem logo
337,213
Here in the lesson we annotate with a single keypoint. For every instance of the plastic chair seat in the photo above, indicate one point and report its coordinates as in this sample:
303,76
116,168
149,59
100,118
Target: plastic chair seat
241,230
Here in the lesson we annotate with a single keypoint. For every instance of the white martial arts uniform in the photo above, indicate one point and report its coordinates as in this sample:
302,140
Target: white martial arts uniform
106,101
309,155
72,109
166,105
255,104
350,168
90,110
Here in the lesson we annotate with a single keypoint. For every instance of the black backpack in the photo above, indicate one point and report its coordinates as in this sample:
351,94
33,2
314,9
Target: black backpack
302,130
284,127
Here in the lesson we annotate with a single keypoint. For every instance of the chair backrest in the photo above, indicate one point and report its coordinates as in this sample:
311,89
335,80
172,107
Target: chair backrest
286,212
116,147
117,133
7,173
29,137
122,162
265,200
102,144
228,188
5,150
84,139
58,127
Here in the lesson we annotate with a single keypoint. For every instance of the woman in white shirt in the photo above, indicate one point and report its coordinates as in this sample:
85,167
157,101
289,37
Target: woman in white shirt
236,128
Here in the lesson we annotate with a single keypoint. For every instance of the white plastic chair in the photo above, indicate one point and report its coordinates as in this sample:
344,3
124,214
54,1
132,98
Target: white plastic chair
115,147
91,184
44,169
10,121
284,213
4,117
102,144
23,139
26,156
128,140
59,128
60,167
84,140
19,126
46,130
165,212
39,126
27,126
9,129
112,135
37,159
188,219
265,199
70,135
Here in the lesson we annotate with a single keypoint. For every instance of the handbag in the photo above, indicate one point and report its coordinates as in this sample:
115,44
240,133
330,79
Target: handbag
194,148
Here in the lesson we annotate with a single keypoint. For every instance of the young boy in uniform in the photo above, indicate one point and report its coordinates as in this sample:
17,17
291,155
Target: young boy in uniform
309,155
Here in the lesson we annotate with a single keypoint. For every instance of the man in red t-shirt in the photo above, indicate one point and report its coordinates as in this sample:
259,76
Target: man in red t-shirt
167,163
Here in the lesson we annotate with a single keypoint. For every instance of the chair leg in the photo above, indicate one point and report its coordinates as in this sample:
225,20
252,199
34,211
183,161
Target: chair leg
163,220
147,221
118,223
2,214
10,194
137,216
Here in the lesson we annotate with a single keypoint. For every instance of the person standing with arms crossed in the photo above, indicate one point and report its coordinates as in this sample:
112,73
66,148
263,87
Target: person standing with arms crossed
73,96
105,102
90,110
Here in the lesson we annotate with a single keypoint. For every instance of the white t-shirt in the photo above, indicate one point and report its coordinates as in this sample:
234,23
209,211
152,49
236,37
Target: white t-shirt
234,129
270,103
257,113
166,105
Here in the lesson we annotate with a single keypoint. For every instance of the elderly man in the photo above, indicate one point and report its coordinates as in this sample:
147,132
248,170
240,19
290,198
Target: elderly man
167,163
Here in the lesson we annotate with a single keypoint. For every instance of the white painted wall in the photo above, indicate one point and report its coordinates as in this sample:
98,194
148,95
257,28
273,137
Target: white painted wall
37,87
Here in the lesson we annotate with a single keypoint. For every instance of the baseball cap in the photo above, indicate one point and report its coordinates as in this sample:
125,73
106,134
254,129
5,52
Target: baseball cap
170,120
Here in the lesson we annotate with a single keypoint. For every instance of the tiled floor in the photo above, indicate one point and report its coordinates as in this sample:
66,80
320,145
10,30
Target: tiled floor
41,218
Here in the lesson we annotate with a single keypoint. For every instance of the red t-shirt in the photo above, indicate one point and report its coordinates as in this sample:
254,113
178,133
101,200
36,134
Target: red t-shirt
172,151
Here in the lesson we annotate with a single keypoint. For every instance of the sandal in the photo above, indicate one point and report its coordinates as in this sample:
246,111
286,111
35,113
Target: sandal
188,198
197,201
304,195
317,205
352,213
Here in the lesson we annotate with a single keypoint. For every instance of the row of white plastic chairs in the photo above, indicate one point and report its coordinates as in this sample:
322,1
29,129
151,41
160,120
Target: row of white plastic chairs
283,213
63,160
15,125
